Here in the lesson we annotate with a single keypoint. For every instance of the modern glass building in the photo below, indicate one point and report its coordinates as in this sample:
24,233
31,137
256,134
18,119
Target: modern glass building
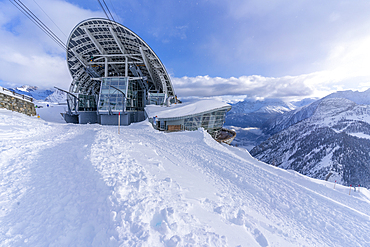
206,114
114,71
117,77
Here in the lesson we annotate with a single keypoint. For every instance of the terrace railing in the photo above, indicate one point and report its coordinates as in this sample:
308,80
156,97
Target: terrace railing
25,97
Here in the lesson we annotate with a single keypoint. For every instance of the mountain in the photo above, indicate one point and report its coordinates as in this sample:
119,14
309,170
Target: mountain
303,102
360,98
330,141
268,105
253,113
283,121
33,91
86,185
249,116
57,96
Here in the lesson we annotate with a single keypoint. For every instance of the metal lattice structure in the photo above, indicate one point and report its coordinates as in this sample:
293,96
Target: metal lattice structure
100,48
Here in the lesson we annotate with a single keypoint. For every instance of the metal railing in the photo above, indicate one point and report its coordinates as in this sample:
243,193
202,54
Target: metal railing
19,95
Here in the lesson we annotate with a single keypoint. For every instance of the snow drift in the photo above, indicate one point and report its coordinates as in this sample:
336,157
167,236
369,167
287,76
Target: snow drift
85,185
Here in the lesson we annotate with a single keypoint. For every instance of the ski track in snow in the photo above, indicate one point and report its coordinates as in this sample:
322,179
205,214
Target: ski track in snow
85,185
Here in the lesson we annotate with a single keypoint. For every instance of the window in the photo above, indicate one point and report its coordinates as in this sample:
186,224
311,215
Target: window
212,122
86,102
111,99
156,98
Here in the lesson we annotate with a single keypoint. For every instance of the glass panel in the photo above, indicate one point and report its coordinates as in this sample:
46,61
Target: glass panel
111,97
156,98
71,102
86,102
211,122
114,82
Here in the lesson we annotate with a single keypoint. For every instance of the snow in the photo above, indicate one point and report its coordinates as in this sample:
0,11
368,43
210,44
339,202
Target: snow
361,98
37,94
51,112
10,93
325,162
360,135
33,91
57,96
184,109
26,88
85,185
268,105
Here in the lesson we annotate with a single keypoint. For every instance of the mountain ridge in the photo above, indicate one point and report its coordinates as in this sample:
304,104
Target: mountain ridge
326,142
50,95
33,91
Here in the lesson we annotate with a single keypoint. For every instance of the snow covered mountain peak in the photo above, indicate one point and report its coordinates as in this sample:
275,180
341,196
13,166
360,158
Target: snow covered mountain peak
33,91
361,98
330,107
252,113
57,96
268,105
26,88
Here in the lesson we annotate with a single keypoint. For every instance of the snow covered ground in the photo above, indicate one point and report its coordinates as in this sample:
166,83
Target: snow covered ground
85,185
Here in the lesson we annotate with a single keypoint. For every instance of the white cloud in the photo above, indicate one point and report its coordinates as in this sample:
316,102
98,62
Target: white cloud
27,55
258,38
317,84
278,38
256,86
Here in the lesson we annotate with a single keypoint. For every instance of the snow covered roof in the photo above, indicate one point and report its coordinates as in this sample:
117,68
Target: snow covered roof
185,109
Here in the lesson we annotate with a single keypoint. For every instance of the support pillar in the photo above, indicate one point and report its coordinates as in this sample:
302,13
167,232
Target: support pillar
106,67
126,66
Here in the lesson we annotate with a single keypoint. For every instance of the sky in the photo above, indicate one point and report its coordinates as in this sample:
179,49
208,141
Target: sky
211,48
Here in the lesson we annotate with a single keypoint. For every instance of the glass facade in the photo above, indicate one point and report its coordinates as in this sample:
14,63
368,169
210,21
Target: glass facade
82,102
86,102
71,101
135,96
111,99
156,98
212,121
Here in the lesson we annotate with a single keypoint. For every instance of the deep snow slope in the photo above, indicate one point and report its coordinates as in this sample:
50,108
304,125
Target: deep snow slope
85,185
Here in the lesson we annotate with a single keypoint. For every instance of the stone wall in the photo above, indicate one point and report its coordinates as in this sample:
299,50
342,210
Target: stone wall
14,103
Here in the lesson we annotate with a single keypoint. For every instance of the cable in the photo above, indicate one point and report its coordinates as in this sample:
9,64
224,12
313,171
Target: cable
103,10
29,16
108,10
51,19
43,25
114,9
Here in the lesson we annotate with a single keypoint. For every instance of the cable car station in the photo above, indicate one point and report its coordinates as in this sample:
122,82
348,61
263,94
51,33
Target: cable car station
114,71
117,78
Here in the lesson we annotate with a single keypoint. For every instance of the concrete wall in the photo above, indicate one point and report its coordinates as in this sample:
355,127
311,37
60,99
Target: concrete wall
14,103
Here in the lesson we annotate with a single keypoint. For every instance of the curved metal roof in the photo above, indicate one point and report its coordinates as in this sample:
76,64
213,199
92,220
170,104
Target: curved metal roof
93,40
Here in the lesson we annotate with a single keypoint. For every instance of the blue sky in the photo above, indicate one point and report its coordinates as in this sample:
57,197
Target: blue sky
231,49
